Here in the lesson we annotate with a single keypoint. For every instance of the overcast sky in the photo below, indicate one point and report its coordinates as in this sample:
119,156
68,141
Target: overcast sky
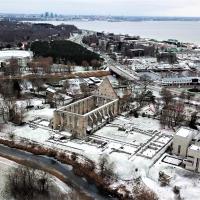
104,7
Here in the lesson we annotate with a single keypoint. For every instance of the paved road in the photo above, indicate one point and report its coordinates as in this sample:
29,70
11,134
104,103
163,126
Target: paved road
114,66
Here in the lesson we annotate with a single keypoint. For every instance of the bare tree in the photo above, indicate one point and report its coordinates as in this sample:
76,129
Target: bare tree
45,64
9,89
166,96
42,65
37,84
192,123
66,85
85,89
173,114
69,66
33,67
13,68
141,192
86,65
3,112
30,184
103,162
15,113
183,96
124,103
1,126
106,168
189,96
95,64
28,102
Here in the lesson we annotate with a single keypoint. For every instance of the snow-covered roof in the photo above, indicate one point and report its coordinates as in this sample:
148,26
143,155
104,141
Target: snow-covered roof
64,96
179,79
194,147
88,81
184,132
75,81
51,90
95,79
8,54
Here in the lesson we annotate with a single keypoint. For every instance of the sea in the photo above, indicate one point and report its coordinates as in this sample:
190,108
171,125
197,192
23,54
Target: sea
184,31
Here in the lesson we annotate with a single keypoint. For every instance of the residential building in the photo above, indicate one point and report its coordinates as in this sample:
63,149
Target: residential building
181,81
23,57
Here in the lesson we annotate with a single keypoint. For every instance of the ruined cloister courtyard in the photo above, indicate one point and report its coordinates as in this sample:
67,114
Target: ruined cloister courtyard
138,147
85,116
140,143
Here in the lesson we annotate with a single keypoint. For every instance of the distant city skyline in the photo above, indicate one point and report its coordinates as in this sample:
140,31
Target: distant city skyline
187,8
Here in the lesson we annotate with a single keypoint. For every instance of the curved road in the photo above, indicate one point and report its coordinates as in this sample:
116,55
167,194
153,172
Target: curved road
42,162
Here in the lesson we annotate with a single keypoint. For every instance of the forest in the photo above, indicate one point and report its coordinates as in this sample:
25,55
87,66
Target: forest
13,33
63,51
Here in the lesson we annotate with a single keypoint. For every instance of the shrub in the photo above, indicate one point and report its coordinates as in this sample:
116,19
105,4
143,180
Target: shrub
73,156
11,136
135,114
176,190
143,114
52,153
141,192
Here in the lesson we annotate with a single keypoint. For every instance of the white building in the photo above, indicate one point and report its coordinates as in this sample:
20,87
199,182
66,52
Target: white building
181,81
192,162
186,143
22,56
182,140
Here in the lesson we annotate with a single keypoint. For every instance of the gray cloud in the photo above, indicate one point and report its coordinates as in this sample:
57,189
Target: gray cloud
105,7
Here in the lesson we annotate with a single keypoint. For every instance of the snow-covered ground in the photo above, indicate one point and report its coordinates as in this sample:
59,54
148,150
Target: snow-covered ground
125,145
8,54
45,113
188,182
126,142
6,165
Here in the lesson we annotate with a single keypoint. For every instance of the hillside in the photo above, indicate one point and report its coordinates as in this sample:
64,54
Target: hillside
13,33
62,50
